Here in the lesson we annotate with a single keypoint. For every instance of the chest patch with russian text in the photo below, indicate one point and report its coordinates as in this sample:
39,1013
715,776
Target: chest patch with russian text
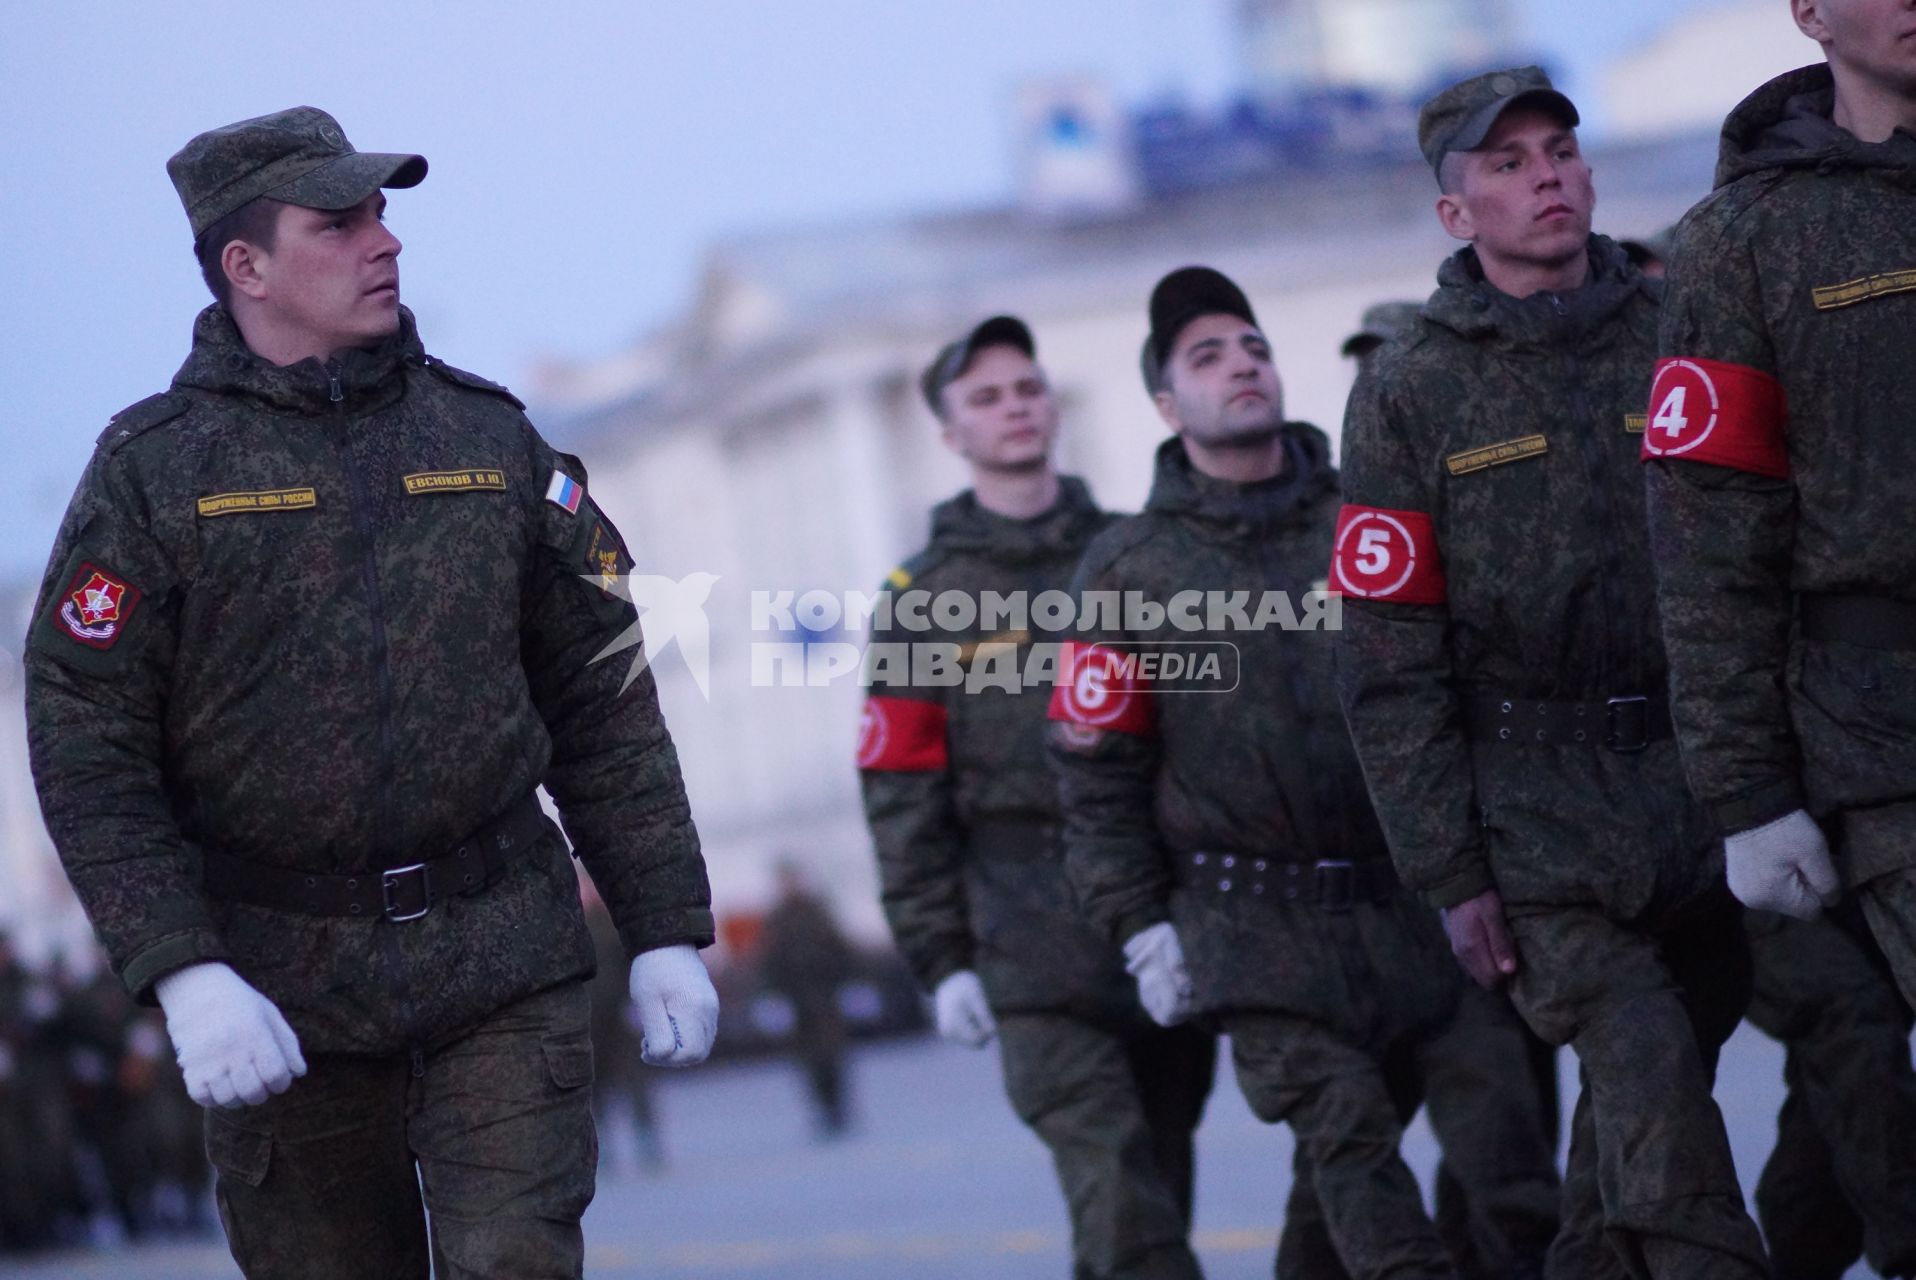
466,481
97,605
1728,415
233,504
1386,554
1831,296
1495,455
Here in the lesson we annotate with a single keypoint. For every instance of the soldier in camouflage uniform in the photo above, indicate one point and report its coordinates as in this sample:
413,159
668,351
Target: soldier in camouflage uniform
964,815
316,625
1840,1183
1223,817
1502,673
1476,1087
1782,470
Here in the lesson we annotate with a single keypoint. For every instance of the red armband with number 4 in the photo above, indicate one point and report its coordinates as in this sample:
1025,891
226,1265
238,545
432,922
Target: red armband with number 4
1728,415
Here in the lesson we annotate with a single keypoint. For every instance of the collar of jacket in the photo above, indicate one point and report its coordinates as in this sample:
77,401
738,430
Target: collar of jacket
221,363
1473,308
960,524
1244,510
1786,124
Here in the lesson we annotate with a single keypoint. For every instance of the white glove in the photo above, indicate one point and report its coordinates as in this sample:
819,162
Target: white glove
1155,959
1783,866
678,1009
233,1044
959,1008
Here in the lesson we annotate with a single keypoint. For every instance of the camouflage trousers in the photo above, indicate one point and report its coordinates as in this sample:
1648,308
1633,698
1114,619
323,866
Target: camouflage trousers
1889,902
1651,1189
1497,1189
1353,1199
1117,1106
495,1130
1840,1183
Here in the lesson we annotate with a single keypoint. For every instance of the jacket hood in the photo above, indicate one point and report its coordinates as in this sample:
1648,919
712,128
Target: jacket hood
961,524
222,363
1473,308
1786,124
1180,489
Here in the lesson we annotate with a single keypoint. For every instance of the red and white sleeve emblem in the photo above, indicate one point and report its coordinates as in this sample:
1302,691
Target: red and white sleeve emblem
1729,415
902,735
97,607
1382,554
1101,690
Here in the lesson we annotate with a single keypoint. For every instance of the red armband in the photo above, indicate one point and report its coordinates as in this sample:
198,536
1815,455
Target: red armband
1387,555
1729,415
1101,690
902,735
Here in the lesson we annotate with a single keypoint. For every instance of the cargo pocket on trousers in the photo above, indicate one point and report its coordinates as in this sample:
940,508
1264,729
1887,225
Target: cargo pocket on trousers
240,1154
569,1059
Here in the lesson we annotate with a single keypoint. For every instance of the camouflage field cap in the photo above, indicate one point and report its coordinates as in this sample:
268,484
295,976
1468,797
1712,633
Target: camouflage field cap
1178,299
1383,322
952,361
1461,117
299,155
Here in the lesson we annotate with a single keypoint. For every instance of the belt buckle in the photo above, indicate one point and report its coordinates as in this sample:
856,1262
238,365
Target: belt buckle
1336,885
1627,731
389,880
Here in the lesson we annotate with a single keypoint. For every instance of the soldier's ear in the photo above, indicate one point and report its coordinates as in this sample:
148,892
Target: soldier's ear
1809,19
1167,407
241,262
1455,217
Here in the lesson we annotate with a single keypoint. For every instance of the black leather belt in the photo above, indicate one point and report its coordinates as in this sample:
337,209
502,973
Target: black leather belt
1870,622
1628,723
1328,884
398,893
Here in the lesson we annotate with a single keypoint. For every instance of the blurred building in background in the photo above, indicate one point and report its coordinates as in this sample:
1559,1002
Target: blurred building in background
773,435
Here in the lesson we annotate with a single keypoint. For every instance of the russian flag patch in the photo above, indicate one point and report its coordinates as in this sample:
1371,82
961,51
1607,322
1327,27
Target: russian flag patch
565,492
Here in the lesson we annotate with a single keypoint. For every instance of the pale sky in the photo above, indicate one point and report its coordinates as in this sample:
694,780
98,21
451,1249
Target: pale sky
583,157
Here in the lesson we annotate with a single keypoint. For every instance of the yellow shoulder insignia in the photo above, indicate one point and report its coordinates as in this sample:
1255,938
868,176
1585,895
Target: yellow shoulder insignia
898,579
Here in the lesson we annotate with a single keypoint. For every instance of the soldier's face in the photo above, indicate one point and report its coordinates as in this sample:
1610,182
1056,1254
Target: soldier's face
1872,40
333,276
1221,385
1526,194
999,414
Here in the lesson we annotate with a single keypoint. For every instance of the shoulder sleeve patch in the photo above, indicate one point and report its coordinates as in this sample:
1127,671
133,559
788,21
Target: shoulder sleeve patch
1729,415
459,377
898,579
140,417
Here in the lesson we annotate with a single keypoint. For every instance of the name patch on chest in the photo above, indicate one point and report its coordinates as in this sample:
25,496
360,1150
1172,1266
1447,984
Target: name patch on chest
1634,423
456,481
1831,296
1495,455
232,504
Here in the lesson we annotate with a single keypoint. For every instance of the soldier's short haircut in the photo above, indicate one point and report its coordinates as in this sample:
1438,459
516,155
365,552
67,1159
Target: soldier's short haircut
256,222
1450,173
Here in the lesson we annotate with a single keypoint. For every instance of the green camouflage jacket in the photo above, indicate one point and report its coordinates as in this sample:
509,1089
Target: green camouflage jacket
963,811
1251,768
332,619
1493,546
1782,446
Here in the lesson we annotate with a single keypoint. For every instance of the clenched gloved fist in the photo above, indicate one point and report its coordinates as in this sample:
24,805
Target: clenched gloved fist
1783,866
1155,959
233,1044
958,1006
678,1009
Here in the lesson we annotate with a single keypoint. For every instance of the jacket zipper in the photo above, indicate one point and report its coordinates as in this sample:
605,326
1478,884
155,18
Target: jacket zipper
361,505
1619,657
